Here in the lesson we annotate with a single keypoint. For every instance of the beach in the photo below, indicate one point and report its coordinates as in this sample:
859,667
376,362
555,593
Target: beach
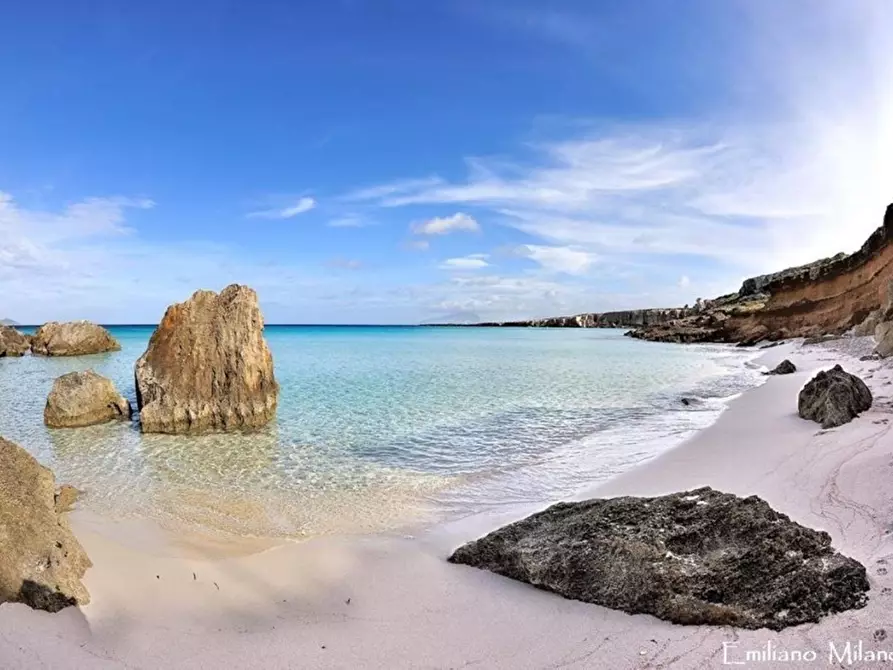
387,601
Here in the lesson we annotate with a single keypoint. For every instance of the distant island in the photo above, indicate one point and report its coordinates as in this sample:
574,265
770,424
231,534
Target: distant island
9,322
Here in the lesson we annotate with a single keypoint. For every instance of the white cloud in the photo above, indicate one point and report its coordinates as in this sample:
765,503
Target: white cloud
417,245
446,225
303,205
470,262
570,260
684,281
803,171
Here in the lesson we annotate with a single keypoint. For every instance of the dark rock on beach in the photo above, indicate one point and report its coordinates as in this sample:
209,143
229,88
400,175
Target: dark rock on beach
75,338
696,557
84,399
834,397
208,366
41,561
783,368
12,342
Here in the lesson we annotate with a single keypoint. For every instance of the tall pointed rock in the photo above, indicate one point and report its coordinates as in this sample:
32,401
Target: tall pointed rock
207,366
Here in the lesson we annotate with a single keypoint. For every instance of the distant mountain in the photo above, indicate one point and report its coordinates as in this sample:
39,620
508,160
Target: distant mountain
9,322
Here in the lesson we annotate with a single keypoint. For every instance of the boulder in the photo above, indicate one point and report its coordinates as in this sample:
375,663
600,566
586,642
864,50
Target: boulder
751,336
868,324
696,557
208,366
41,562
84,399
833,397
783,368
883,336
75,338
12,342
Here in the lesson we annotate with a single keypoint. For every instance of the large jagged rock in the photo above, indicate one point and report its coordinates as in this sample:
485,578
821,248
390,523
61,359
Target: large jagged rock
74,338
41,562
207,366
12,342
697,557
833,397
84,399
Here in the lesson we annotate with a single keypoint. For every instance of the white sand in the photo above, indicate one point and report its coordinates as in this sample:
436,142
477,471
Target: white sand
287,606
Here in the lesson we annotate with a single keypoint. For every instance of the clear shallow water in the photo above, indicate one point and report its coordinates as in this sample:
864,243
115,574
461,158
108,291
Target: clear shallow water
376,424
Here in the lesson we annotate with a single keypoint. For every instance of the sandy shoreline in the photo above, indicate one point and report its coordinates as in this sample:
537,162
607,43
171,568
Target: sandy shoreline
393,602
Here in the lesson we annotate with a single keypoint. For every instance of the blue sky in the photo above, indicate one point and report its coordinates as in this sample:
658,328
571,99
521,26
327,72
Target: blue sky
400,161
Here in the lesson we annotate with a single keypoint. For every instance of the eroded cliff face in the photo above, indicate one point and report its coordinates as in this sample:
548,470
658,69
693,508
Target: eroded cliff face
828,296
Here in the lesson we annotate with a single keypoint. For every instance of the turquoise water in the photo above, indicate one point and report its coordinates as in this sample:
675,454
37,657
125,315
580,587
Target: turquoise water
377,425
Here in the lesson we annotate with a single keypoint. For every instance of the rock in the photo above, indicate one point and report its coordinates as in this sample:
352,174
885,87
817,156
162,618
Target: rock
633,318
84,399
869,324
41,562
697,557
752,336
207,366
819,339
686,401
75,338
883,336
783,368
12,342
65,498
833,397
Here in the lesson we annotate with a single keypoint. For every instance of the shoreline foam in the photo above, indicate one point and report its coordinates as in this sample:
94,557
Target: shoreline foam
288,606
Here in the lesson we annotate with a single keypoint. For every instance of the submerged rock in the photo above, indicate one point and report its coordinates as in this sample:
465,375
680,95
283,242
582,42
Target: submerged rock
12,342
208,366
84,399
833,397
783,368
697,557
75,338
41,562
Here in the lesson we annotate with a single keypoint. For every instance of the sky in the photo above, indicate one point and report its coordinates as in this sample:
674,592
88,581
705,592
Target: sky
396,161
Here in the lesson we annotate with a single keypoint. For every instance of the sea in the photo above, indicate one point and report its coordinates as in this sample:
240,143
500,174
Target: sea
379,427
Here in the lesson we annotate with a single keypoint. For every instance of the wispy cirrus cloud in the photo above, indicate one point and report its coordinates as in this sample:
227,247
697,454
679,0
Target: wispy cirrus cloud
302,206
800,172
350,221
390,189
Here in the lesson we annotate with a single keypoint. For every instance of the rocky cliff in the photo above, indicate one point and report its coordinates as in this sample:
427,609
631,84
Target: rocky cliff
829,296
624,319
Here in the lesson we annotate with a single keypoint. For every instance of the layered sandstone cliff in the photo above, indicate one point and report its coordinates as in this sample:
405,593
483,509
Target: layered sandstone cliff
830,296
